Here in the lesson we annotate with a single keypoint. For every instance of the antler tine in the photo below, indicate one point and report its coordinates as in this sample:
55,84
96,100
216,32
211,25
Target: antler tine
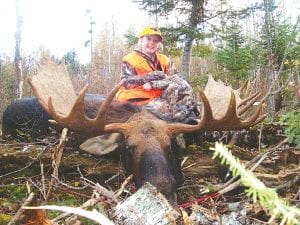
249,102
54,90
255,118
75,117
102,112
206,116
244,85
97,125
231,110
244,101
261,118
206,111
214,117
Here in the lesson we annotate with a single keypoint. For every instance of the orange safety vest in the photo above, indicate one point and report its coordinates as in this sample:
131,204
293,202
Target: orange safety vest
138,95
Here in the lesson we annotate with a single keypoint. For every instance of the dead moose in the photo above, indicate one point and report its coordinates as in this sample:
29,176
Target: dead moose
149,149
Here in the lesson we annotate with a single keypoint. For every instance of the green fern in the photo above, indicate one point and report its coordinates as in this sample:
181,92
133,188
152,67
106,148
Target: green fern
256,189
291,121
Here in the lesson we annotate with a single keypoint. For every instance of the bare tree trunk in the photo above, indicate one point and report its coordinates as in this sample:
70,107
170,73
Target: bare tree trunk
270,72
18,60
186,58
196,17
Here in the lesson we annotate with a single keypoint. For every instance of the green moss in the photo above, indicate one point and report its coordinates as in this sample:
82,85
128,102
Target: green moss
14,192
4,219
65,200
87,221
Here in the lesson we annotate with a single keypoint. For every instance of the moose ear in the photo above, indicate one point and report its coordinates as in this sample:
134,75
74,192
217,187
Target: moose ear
102,145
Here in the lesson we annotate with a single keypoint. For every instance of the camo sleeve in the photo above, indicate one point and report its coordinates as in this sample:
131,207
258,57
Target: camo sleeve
154,78
162,83
127,71
130,76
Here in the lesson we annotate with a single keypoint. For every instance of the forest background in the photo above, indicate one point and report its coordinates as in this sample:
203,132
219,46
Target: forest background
258,42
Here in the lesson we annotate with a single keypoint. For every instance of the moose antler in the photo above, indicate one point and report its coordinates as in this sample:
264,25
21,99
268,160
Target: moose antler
55,92
222,109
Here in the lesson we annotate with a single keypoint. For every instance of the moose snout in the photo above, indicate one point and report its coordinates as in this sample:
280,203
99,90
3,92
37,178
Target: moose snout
155,169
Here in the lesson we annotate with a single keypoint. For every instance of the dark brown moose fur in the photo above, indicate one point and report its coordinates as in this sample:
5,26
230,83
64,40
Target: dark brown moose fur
149,153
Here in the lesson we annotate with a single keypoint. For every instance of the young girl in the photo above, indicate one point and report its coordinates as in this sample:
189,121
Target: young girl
149,81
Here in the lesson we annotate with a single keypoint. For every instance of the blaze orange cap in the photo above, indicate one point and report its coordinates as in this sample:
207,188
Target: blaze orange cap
150,31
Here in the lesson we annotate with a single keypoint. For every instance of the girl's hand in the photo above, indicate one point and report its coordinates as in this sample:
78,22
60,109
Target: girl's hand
147,86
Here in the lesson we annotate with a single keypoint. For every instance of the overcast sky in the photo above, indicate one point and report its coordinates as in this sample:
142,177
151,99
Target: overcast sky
61,25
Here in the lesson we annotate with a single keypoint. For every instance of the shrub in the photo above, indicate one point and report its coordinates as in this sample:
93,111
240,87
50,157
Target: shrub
291,121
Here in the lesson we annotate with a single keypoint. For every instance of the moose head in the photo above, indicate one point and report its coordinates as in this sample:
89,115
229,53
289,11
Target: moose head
150,154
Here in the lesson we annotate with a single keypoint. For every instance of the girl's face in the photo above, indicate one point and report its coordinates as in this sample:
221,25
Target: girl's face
150,44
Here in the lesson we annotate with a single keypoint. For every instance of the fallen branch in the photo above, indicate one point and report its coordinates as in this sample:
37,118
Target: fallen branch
20,212
25,167
92,215
57,155
235,182
257,159
121,189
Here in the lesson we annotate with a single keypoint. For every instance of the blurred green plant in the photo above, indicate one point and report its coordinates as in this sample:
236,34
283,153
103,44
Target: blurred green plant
15,192
291,121
198,80
4,219
257,190
202,50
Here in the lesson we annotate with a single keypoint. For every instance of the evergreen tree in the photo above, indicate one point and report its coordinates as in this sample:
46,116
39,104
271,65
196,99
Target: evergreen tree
187,30
234,57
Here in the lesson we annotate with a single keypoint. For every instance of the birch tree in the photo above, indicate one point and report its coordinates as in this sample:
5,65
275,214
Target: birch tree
18,60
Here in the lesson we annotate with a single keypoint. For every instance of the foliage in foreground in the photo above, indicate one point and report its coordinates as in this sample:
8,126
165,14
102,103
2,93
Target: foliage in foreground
291,121
256,189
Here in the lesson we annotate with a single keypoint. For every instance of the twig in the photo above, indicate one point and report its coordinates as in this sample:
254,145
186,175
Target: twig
66,190
25,167
297,196
57,159
257,158
43,181
69,186
105,192
183,161
238,182
38,187
235,181
89,203
100,189
189,166
121,189
289,183
260,136
18,144
112,177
